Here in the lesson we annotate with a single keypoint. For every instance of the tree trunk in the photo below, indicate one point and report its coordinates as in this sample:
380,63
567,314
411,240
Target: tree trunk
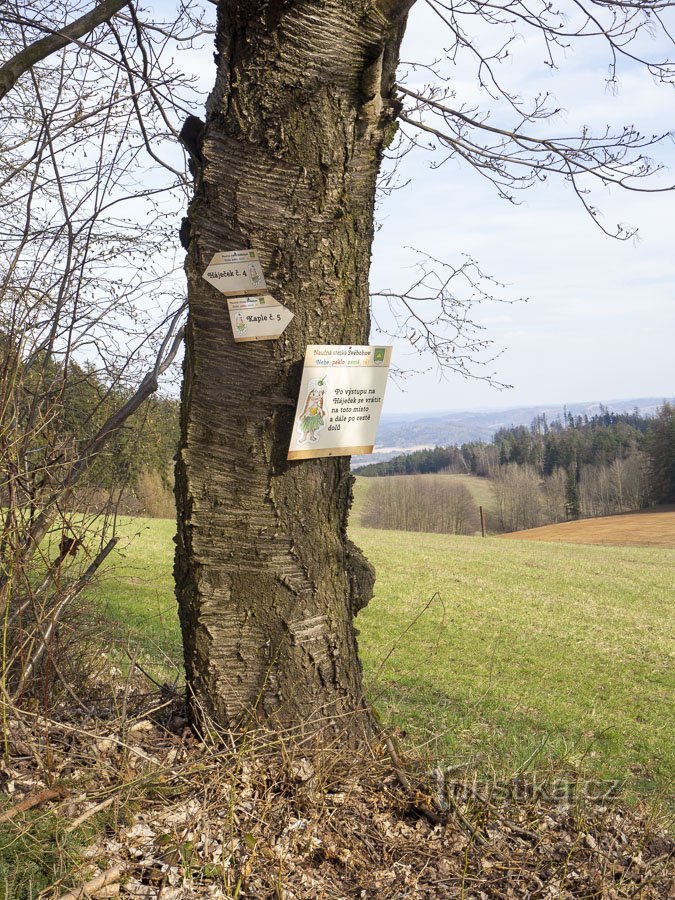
267,581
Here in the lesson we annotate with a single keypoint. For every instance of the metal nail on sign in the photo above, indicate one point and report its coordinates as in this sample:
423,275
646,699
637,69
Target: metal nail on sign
236,272
257,318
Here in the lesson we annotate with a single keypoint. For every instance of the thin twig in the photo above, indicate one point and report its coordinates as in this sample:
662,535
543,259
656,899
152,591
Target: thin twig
110,877
33,800
88,814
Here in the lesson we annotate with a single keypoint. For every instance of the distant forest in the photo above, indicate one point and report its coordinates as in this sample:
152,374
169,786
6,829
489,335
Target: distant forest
133,472
550,471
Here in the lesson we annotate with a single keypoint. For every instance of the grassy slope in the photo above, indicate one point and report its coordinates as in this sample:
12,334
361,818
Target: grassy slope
561,648
554,650
480,488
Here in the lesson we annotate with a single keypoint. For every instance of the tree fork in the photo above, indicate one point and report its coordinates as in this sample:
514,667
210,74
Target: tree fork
267,581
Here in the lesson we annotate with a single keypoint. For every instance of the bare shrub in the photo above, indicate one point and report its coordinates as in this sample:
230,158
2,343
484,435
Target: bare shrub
619,487
154,496
434,503
91,303
519,498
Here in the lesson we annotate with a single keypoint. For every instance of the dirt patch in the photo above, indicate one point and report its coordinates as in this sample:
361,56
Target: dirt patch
648,528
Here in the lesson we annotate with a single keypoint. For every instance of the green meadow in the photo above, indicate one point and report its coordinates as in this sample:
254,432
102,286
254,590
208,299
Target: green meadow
497,657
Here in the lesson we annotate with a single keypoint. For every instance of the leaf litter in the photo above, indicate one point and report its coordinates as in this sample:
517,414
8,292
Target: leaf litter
167,815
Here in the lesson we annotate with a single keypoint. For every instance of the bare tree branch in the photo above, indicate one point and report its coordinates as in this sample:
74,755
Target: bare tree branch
33,537
25,59
436,314
55,614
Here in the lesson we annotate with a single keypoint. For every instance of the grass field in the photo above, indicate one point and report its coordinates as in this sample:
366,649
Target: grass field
532,655
647,528
136,590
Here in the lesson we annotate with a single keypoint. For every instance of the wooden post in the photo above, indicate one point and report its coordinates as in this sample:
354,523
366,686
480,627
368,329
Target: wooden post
482,521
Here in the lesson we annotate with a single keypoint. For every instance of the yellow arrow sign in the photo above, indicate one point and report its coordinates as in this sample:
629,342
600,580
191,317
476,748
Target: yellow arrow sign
259,318
236,273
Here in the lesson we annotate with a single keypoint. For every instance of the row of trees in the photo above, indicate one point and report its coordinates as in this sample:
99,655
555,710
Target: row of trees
614,463
526,499
545,446
414,503
602,442
580,441
609,463
522,498
421,462
617,461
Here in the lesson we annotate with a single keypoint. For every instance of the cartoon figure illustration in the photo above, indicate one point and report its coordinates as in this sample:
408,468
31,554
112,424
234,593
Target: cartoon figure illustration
311,419
254,273
239,322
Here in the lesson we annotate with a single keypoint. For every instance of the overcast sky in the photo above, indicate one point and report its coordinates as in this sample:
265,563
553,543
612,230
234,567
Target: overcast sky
599,322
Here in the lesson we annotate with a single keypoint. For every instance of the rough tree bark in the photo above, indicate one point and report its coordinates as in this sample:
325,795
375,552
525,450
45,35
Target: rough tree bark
267,581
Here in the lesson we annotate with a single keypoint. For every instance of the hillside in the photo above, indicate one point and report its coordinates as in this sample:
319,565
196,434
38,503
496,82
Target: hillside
479,488
399,433
646,528
491,655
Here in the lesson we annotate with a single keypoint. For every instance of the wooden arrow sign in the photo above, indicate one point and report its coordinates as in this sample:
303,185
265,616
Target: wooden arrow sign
236,273
259,318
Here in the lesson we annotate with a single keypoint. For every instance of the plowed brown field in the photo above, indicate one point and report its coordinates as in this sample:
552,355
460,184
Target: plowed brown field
649,528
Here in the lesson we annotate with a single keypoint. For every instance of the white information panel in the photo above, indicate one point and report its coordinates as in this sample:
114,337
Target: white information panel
257,318
340,401
236,273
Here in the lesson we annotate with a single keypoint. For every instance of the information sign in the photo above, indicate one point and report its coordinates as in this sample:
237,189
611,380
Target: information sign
236,273
340,401
257,318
